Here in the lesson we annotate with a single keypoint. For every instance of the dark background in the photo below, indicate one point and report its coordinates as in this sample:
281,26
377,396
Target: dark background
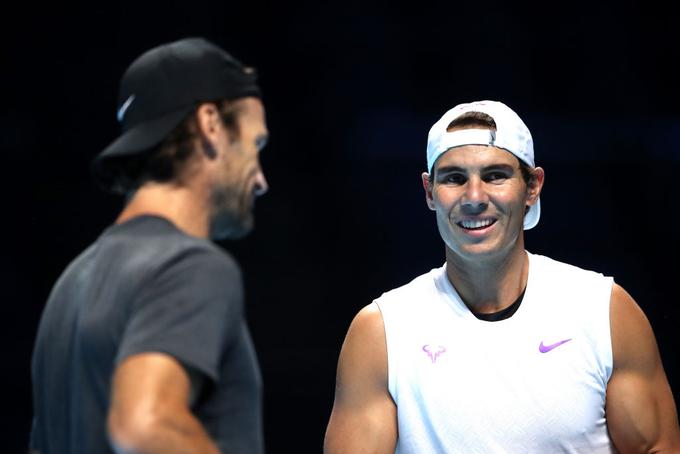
351,91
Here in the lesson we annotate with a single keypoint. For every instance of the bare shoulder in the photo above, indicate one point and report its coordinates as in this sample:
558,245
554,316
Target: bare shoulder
641,413
633,341
368,323
364,347
624,306
363,418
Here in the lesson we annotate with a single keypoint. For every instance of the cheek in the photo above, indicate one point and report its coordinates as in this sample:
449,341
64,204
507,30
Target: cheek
509,195
444,199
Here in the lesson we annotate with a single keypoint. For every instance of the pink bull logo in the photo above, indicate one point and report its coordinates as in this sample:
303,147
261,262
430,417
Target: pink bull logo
433,352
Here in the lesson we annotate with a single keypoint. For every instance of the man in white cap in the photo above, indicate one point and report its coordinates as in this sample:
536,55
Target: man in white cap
499,350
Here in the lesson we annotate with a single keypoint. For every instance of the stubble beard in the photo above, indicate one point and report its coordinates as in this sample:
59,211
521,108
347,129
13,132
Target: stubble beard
231,218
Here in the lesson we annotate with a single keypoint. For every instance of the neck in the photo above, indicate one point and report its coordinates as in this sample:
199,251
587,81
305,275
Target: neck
489,285
184,206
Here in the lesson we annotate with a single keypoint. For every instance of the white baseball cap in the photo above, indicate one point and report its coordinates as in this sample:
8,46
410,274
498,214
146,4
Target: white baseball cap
511,134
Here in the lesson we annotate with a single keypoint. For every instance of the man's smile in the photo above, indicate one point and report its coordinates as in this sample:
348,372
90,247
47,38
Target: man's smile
476,224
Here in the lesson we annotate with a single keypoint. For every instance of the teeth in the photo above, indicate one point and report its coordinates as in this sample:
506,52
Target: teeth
476,223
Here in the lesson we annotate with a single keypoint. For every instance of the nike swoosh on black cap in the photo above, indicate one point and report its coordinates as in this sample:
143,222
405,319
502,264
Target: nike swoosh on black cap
162,86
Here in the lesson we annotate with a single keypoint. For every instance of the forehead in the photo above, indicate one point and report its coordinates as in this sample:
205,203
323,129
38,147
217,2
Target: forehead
476,156
251,113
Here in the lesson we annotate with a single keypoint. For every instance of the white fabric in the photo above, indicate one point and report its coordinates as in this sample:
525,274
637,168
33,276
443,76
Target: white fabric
463,385
511,134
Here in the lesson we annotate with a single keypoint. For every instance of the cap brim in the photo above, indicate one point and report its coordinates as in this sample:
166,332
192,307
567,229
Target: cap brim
138,139
533,215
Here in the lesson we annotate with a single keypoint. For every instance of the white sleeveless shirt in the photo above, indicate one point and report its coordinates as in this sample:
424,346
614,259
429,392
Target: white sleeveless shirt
532,383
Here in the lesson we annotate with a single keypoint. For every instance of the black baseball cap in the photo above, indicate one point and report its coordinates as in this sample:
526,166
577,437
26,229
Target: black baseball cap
162,86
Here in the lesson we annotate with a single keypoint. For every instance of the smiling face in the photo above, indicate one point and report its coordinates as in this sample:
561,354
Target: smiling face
480,197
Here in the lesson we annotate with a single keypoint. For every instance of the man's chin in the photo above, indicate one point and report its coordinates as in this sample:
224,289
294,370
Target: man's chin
231,230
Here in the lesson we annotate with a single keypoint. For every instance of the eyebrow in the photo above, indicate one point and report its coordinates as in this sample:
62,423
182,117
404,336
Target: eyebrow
449,169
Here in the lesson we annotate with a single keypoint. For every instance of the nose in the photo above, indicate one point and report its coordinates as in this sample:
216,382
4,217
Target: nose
260,187
474,200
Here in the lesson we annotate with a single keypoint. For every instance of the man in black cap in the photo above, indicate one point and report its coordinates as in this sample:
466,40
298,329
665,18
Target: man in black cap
143,346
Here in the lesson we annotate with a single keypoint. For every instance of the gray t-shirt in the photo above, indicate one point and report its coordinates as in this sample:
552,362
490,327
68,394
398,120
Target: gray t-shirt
144,286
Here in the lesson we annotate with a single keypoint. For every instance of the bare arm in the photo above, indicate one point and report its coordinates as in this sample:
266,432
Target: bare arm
364,416
641,414
150,409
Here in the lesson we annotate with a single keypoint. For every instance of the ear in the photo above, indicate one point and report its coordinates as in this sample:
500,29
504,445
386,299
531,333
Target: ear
427,186
209,126
535,185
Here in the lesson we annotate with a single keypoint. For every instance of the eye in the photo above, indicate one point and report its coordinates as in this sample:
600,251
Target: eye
496,176
453,178
260,142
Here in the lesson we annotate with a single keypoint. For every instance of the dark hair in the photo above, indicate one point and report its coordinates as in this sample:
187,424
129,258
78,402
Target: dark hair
485,120
166,161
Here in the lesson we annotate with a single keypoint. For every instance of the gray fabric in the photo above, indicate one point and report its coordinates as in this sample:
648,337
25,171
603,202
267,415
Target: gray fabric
144,286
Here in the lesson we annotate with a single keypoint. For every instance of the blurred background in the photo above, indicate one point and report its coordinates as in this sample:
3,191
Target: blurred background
350,91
